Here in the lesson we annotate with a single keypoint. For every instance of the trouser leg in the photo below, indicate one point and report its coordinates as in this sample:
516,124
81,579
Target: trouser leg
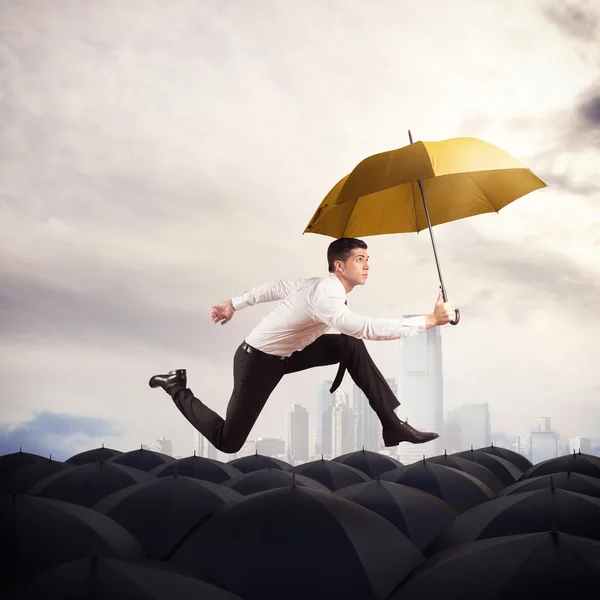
255,377
333,348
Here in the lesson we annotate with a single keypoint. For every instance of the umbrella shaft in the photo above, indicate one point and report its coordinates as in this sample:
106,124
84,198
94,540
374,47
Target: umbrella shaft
437,262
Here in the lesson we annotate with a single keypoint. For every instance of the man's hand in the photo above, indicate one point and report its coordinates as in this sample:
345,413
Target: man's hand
222,312
442,314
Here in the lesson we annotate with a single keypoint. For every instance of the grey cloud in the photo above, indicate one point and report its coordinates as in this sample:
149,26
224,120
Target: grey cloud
110,313
536,272
58,434
580,20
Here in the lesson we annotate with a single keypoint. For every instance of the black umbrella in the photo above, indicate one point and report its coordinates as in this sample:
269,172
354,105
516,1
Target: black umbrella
506,471
418,515
586,464
574,482
297,543
199,467
36,533
270,479
333,475
18,460
256,462
142,459
457,488
544,565
22,477
527,512
99,578
521,462
160,512
93,455
472,468
89,483
370,463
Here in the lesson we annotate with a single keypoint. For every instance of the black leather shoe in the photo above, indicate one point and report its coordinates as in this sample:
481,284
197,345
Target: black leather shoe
403,432
172,380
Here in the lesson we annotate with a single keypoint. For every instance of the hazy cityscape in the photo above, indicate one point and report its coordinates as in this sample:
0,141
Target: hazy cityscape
343,422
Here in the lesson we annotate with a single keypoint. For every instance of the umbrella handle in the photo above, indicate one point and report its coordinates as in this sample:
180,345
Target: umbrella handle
456,311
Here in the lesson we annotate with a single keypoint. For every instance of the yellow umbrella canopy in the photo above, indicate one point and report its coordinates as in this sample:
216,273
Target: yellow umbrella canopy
422,185
461,177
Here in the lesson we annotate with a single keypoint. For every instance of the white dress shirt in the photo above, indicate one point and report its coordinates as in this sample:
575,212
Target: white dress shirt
307,309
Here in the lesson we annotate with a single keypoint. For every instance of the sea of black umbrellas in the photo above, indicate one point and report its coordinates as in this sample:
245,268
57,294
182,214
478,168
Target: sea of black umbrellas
477,524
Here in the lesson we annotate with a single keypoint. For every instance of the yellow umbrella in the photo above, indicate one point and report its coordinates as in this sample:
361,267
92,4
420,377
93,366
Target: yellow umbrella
422,185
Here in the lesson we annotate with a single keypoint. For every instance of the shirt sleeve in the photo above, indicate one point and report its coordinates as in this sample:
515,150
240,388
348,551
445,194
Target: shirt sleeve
331,310
267,292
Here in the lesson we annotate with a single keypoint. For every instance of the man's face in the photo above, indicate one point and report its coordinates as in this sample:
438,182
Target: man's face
356,269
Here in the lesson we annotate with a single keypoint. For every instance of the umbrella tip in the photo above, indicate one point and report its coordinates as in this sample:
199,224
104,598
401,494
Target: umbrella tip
552,482
410,136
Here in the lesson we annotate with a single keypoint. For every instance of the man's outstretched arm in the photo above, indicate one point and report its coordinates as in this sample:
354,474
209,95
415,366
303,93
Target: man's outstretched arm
267,292
332,311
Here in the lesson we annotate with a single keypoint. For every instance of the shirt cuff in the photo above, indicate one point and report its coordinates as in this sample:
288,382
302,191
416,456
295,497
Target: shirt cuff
238,302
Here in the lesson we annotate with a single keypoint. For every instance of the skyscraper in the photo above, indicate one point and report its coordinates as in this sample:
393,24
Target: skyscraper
323,429
342,425
296,434
472,423
421,385
203,447
366,423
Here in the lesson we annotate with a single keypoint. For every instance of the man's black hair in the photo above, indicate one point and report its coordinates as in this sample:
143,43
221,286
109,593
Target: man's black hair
341,249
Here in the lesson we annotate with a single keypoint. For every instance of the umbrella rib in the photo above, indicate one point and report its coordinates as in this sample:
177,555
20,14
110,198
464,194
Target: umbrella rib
484,194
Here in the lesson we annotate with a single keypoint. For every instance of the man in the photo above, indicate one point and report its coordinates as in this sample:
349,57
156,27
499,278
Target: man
292,338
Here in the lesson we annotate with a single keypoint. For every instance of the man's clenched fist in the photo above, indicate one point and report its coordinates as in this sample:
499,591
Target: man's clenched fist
443,312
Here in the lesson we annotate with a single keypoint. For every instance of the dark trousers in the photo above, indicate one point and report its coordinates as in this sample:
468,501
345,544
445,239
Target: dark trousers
255,376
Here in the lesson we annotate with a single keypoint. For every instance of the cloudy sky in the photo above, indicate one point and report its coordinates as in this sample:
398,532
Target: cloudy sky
157,157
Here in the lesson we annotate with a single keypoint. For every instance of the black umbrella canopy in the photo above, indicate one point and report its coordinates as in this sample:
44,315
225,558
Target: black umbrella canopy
370,463
18,460
506,471
574,482
88,484
22,477
418,515
585,464
270,479
521,567
36,533
99,578
199,467
256,462
93,455
472,468
521,462
333,475
297,543
142,459
159,513
527,512
457,488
